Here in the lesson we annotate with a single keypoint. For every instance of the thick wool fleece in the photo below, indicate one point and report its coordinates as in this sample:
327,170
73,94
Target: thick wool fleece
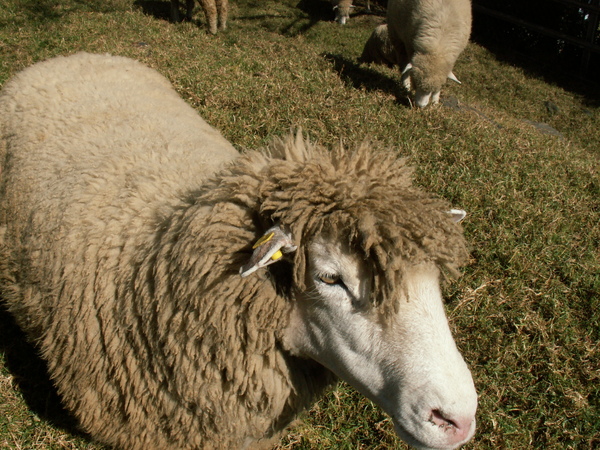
124,220
379,48
363,195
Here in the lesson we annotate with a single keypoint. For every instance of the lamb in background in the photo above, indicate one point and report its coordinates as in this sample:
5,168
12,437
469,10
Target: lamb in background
379,48
428,35
125,222
216,12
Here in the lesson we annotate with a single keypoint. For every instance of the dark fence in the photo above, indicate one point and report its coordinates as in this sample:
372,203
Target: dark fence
561,32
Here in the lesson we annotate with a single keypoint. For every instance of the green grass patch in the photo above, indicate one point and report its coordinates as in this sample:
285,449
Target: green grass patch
526,313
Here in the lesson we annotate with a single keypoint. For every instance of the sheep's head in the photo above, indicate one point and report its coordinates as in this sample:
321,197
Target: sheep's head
342,13
426,74
367,250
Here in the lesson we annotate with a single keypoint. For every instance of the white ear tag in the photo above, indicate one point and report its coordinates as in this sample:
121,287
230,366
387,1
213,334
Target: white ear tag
457,215
268,250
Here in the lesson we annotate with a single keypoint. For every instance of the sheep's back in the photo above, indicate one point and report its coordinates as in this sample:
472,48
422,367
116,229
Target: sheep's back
97,151
439,26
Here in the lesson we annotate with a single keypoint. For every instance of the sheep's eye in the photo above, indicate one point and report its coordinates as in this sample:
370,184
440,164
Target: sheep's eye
330,279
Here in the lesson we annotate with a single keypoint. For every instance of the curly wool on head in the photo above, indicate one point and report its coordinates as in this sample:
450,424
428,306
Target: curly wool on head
362,195
359,195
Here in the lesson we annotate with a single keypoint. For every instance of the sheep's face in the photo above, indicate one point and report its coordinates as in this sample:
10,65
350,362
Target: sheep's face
426,75
407,363
427,88
342,14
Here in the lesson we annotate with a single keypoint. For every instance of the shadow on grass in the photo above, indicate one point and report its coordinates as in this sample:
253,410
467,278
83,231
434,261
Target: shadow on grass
308,14
156,8
40,11
322,11
31,376
361,76
300,23
554,66
317,10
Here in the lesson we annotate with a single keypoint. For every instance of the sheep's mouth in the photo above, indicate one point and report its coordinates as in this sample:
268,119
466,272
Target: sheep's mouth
408,437
411,440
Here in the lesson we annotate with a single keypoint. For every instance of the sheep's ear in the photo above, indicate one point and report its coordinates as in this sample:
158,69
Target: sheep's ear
453,78
457,215
407,68
268,250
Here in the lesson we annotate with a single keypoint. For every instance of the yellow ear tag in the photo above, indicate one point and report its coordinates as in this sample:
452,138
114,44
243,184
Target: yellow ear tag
263,240
276,255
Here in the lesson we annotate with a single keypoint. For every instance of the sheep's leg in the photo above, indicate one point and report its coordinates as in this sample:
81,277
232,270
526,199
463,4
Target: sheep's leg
175,10
189,9
222,10
210,12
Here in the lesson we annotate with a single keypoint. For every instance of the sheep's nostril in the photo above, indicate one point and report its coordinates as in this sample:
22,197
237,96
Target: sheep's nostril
456,425
456,429
438,419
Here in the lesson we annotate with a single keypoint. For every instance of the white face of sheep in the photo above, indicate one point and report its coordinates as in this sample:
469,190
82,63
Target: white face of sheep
342,14
410,366
423,97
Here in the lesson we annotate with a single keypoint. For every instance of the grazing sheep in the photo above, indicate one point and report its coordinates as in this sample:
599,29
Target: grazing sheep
215,11
379,49
429,35
126,222
342,10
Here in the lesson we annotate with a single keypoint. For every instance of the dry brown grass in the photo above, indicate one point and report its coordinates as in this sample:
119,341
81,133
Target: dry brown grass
526,312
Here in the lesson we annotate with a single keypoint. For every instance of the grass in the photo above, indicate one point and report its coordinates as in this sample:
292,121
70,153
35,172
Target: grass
526,313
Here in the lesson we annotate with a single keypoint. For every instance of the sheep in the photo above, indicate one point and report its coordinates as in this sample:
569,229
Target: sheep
428,35
185,295
216,12
342,10
379,49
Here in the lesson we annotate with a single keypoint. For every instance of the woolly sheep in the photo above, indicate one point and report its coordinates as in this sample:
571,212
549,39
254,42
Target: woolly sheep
215,11
429,35
342,10
127,226
379,48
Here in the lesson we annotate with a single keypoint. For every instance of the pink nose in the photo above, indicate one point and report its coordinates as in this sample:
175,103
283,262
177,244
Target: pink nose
457,429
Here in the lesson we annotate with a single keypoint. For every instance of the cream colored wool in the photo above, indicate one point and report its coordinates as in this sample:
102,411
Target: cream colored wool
379,48
430,35
124,221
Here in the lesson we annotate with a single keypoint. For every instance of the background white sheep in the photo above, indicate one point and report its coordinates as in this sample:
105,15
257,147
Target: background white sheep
342,10
216,12
379,48
124,222
429,35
